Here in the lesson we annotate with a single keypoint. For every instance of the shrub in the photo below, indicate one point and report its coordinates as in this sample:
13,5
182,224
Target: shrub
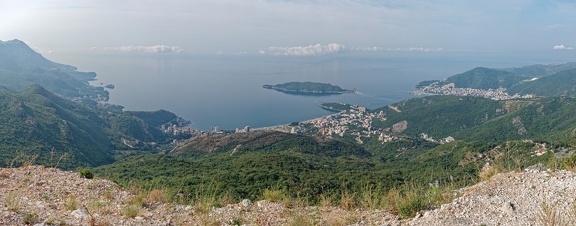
86,173
347,201
273,195
71,203
131,211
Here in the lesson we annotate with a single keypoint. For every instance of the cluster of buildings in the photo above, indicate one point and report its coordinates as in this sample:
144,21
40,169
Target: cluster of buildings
441,140
357,122
177,130
245,130
450,89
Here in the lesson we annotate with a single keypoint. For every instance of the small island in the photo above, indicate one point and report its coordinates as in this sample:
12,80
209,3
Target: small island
308,88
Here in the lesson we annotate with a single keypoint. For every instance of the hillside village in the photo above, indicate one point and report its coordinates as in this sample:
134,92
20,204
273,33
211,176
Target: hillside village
450,89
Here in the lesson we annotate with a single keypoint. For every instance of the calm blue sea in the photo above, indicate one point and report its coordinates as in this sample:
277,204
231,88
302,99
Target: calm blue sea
226,91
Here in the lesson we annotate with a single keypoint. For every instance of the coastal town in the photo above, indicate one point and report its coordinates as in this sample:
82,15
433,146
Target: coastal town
356,121
450,89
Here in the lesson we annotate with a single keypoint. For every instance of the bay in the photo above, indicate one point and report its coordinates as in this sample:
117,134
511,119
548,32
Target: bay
226,91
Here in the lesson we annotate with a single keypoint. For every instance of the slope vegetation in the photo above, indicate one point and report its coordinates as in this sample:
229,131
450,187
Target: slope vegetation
36,122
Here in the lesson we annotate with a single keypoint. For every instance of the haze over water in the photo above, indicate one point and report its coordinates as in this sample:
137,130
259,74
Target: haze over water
226,91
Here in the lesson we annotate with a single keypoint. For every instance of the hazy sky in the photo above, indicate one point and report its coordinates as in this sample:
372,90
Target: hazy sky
289,26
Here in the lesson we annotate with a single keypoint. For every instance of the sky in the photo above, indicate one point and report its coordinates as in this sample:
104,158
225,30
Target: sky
288,27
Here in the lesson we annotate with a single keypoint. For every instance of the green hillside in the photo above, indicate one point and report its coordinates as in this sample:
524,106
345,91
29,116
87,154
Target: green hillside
301,173
268,141
37,122
440,116
485,78
20,67
551,119
541,80
540,70
560,84
475,118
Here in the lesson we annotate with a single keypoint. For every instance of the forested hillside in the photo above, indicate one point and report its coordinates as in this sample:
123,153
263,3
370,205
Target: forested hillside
36,122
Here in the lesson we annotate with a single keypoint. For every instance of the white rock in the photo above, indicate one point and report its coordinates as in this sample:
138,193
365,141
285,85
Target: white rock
79,213
246,203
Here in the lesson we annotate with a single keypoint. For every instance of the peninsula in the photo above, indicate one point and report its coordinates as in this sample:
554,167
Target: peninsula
308,88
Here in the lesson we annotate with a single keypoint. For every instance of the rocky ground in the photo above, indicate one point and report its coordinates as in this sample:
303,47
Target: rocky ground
37,195
534,197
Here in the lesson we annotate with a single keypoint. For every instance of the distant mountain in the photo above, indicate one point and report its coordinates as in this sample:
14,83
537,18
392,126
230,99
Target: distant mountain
476,118
562,83
35,121
541,80
540,70
485,78
20,67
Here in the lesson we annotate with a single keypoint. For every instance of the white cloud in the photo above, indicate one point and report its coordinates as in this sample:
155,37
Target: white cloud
334,48
311,50
147,49
367,49
422,49
562,47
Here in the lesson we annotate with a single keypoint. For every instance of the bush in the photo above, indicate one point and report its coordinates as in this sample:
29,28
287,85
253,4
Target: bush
86,173
273,195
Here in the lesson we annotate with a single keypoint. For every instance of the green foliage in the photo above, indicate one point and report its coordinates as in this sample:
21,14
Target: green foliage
273,195
440,116
474,118
86,173
347,179
21,67
268,141
131,211
559,84
308,88
540,70
63,133
154,118
423,84
485,78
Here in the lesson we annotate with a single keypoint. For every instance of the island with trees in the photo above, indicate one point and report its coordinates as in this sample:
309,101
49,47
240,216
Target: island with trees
308,88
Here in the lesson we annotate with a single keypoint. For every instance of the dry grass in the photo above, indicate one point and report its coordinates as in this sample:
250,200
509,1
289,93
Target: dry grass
347,201
71,203
156,196
131,211
549,215
12,201
487,172
273,195
325,201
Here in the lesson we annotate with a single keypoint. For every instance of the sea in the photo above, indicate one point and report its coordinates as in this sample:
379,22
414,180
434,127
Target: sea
226,90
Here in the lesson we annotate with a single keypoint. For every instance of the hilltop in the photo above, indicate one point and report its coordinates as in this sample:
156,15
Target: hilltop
20,67
49,112
47,196
58,131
